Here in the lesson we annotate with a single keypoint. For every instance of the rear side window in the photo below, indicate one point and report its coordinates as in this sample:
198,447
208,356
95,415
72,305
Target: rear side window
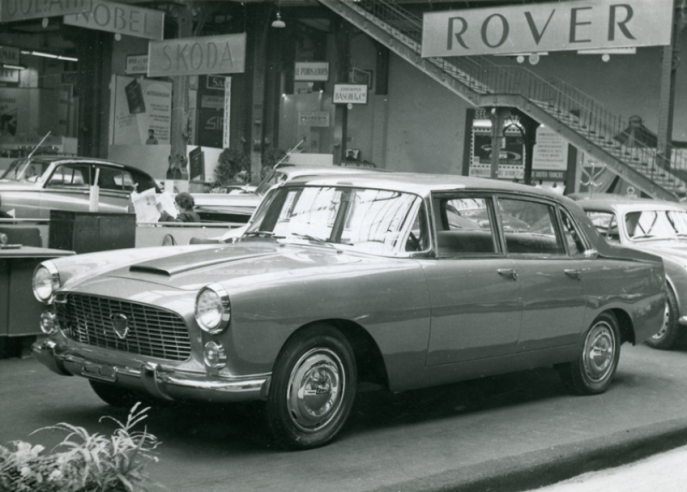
115,179
529,227
464,225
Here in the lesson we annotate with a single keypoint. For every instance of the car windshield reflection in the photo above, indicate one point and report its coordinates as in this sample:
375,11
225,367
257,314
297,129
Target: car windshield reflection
365,219
24,170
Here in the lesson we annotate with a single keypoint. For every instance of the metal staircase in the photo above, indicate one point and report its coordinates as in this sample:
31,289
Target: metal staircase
577,117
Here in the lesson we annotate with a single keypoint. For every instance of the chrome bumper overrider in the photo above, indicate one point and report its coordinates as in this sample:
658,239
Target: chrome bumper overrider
682,320
162,383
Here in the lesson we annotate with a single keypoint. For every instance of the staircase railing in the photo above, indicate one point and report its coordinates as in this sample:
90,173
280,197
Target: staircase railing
572,107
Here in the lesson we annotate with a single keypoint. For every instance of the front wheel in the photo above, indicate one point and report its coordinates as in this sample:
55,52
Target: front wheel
313,388
594,369
669,333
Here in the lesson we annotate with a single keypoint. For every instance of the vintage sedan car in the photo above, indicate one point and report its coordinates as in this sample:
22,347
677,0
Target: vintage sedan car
657,227
344,279
31,187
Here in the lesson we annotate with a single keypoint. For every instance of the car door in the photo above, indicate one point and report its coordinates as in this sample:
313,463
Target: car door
115,187
473,290
67,188
550,279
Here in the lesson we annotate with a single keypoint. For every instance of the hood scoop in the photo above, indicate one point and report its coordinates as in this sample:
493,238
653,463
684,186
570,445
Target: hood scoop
183,263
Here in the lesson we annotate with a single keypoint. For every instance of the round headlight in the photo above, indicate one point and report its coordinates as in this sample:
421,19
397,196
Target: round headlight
46,280
212,309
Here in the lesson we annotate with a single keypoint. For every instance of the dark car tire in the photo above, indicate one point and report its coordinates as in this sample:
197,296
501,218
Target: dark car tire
670,332
114,395
318,355
594,369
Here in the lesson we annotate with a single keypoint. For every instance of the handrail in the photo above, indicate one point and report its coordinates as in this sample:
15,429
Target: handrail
579,111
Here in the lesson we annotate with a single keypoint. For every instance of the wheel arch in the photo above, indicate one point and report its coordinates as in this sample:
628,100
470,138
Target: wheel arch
370,364
625,325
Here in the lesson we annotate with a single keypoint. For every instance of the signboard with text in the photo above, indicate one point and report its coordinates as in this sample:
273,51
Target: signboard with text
350,94
313,118
311,71
121,19
195,56
15,10
136,64
9,55
559,26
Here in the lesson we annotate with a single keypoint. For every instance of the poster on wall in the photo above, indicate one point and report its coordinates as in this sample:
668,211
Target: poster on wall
511,155
9,113
213,92
550,156
141,112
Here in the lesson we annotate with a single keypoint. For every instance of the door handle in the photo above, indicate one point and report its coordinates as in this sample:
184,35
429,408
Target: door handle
508,272
574,274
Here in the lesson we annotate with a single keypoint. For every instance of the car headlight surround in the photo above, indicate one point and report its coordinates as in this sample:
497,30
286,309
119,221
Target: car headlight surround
46,280
213,311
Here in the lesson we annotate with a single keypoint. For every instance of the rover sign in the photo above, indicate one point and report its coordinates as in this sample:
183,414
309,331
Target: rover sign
560,26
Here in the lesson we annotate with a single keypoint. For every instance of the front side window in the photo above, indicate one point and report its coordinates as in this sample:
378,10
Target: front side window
656,224
529,227
70,176
378,221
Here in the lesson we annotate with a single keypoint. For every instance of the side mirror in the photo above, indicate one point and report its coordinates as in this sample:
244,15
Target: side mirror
591,253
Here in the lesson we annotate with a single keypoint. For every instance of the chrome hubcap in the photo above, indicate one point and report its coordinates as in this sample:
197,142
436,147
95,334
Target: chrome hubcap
664,327
316,388
599,352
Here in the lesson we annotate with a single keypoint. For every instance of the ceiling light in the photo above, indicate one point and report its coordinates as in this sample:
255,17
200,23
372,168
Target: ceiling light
278,23
13,67
50,55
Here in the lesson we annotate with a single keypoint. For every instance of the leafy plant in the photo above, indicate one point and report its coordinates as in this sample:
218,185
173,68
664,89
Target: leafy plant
85,463
230,163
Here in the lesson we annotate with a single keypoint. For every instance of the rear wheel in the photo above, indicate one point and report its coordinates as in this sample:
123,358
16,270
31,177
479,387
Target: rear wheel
669,333
114,395
313,388
594,369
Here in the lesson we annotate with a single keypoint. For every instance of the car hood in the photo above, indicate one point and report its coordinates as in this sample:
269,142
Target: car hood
676,250
242,265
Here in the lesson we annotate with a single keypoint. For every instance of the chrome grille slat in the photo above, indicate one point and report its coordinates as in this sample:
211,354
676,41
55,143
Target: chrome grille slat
152,332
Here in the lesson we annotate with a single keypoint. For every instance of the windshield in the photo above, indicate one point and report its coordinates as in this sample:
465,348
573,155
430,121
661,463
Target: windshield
370,220
25,170
656,224
273,178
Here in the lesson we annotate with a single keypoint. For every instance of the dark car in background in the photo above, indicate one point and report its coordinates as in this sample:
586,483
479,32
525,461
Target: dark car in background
33,186
347,279
657,227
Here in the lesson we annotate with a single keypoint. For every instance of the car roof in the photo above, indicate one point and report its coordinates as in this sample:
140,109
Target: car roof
419,183
59,159
623,204
296,171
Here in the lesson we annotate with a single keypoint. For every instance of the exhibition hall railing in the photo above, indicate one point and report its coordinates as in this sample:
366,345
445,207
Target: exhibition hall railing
620,140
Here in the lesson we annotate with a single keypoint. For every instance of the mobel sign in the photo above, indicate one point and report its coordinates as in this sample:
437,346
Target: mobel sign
578,25
195,56
121,19
15,10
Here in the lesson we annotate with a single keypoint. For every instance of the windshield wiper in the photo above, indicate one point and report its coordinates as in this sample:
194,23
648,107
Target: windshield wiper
269,234
312,238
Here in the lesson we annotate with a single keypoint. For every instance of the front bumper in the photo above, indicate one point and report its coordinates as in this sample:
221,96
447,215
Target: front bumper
151,378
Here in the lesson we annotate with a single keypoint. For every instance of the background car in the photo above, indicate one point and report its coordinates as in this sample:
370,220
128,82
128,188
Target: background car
655,226
238,207
341,279
33,186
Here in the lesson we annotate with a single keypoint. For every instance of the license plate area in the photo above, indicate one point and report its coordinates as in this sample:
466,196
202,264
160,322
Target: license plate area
98,371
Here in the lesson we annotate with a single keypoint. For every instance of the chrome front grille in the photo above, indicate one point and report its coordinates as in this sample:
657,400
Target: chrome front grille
151,331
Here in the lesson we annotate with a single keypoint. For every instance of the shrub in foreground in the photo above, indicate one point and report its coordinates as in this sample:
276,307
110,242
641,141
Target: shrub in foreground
82,462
